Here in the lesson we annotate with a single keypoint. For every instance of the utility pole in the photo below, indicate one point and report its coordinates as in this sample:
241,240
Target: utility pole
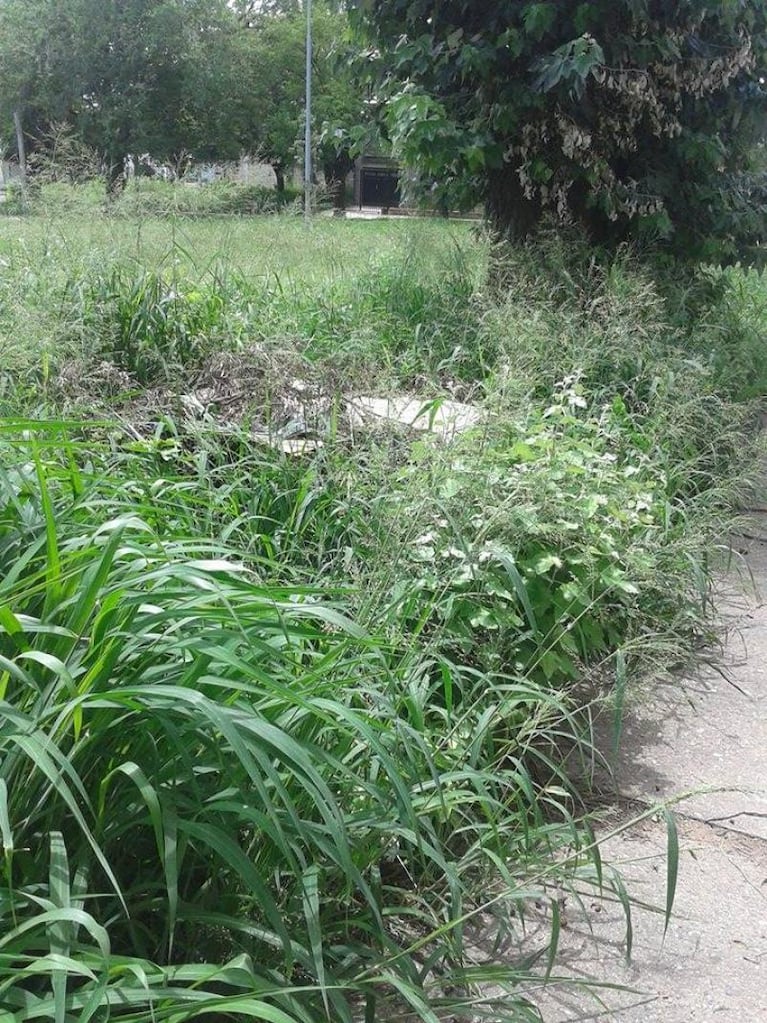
308,128
22,154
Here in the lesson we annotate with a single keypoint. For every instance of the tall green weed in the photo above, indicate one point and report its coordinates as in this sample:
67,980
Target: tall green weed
149,324
199,765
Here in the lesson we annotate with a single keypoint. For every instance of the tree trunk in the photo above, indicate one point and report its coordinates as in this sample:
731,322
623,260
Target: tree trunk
337,189
512,217
335,171
115,177
279,173
115,169
21,148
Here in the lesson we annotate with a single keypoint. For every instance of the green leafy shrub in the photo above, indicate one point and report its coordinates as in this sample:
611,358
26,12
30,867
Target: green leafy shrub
557,543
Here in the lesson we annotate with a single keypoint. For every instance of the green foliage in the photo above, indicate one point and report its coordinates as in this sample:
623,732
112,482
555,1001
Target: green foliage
272,61
285,736
348,298
81,62
343,124
178,79
561,541
14,204
146,322
723,314
143,198
198,762
272,85
146,197
629,119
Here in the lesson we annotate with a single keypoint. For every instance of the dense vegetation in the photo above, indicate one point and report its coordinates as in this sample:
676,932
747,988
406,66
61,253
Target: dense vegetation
209,81
631,118
284,735
297,699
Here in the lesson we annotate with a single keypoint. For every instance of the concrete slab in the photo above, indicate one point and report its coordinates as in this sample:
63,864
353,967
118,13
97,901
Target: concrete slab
707,734
439,415
712,965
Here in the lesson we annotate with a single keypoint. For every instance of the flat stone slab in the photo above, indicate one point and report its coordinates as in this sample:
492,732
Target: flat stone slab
438,416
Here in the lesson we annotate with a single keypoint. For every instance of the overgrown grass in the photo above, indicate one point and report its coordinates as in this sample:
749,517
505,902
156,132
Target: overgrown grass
306,718
376,295
147,197
200,763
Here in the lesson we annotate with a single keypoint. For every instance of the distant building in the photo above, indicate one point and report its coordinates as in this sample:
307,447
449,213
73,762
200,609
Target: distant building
377,182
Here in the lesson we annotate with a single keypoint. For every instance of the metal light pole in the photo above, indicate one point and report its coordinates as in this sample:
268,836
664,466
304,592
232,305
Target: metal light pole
308,128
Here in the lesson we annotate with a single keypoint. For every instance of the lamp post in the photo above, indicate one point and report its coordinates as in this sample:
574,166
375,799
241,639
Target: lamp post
308,127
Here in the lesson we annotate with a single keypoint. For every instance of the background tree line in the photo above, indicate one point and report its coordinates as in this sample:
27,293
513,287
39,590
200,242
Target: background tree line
205,79
632,119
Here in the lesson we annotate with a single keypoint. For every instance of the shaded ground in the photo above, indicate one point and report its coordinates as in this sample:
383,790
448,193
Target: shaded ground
709,733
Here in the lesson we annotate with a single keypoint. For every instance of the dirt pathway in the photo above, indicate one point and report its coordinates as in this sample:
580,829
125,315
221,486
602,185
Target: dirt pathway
709,734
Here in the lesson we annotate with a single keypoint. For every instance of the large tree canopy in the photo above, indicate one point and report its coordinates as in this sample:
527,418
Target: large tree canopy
265,107
626,116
